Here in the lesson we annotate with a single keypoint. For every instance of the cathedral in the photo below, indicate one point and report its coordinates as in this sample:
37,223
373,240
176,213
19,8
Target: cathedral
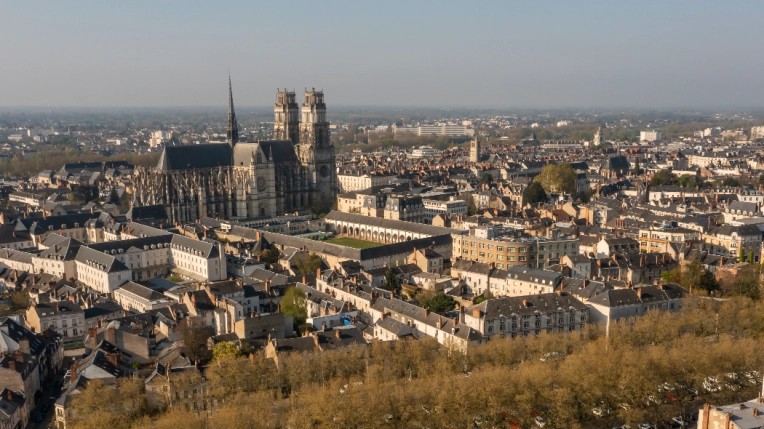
248,180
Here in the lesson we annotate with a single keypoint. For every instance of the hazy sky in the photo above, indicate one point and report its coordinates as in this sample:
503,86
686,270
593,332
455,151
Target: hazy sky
383,53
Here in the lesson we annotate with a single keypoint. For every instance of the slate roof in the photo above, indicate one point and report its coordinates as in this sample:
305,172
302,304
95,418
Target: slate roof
125,245
206,248
391,224
421,315
195,156
650,295
147,212
277,151
140,291
526,305
104,262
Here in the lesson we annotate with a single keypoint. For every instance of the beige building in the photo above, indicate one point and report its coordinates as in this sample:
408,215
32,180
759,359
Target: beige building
358,182
522,316
660,239
64,317
503,252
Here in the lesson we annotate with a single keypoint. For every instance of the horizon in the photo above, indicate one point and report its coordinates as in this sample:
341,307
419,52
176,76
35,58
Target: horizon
588,55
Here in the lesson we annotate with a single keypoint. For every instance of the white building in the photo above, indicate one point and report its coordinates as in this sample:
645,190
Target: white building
100,271
433,208
139,299
650,136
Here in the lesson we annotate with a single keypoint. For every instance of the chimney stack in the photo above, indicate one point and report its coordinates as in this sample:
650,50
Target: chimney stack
338,334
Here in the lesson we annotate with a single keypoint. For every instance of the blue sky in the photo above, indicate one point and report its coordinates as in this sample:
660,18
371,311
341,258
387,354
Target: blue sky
410,53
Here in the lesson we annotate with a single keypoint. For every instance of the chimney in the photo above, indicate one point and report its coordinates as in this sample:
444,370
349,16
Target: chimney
267,286
24,346
73,374
559,291
315,340
12,364
426,311
440,322
112,358
304,279
639,293
10,395
338,334
318,273
111,335
93,333
323,326
134,329
382,317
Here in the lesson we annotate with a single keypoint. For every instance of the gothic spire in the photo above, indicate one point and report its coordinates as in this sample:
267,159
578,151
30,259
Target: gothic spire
233,126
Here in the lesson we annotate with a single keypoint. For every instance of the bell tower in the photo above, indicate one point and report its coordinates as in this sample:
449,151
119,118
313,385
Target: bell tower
475,150
315,151
286,123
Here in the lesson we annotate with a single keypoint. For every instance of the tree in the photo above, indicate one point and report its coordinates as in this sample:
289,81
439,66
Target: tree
637,170
83,193
558,178
485,179
309,263
194,334
663,177
113,196
686,181
391,282
439,303
295,305
731,181
224,349
534,193
271,256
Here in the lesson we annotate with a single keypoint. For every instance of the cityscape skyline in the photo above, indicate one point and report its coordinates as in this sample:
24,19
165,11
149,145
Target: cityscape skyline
588,55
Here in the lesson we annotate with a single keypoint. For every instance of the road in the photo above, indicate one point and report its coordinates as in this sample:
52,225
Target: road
50,394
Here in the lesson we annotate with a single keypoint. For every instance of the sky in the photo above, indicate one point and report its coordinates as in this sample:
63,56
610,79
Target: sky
473,54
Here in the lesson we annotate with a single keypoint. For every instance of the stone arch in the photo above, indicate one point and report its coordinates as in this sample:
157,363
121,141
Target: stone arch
387,237
408,238
355,233
344,230
363,233
374,235
395,238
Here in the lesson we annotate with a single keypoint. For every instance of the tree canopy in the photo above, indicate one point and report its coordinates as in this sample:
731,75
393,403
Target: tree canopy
558,178
439,303
307,264
295,304
391,282
663,177
686,181
534,193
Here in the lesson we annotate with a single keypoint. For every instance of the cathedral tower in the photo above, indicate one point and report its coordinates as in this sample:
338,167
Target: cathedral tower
286,124
475,150
233,126
315,151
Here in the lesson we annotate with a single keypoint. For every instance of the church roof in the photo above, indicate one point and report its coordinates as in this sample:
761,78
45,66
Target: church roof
279,150
195,156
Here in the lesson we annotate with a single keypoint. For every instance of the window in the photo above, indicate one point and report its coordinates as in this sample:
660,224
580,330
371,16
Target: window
521,249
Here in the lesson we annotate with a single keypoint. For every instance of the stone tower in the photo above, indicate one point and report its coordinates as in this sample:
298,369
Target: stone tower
315,151
597,137
286,124
475,150
233,126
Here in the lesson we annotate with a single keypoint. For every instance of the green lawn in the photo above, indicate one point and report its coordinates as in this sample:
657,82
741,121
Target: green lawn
353,242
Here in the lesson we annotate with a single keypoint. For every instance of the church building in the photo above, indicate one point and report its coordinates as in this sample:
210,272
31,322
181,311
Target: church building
248,180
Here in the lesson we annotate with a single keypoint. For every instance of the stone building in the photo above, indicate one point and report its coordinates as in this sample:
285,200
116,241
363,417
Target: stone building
246,180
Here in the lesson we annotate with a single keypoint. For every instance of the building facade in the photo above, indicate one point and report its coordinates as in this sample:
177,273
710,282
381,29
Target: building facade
247,180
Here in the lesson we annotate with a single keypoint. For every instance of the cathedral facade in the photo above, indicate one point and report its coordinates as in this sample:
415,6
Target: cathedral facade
237,180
